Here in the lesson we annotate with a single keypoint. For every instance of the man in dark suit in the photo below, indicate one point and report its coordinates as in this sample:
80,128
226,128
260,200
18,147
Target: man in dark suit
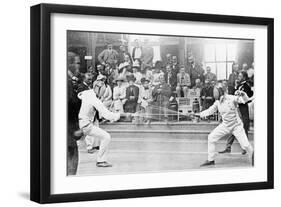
195,71
232,79
170,77
244,86
122,55
87,82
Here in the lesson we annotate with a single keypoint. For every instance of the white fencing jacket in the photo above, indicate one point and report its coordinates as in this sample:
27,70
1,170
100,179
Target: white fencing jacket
90,105
227,106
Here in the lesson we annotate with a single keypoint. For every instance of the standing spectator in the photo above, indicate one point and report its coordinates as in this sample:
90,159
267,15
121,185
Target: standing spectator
198,84
195,71
251,73
108,56
209,75
87,82
73,104
243,108
132,95
183,82
119,95
124,55
147,54
244,67
137,51
171,78
175,65
161,95
168,60
232,78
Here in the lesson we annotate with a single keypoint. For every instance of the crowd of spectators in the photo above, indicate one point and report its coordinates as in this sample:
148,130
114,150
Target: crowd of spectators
127,82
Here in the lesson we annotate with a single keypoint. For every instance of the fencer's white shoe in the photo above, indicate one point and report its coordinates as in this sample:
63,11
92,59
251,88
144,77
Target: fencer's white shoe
103,164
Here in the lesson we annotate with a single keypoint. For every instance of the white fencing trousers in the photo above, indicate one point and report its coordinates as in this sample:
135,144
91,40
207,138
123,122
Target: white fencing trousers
222,130
90,142
95,134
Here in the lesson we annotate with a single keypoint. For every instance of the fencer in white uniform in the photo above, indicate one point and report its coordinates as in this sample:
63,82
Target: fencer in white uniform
89,124
227,106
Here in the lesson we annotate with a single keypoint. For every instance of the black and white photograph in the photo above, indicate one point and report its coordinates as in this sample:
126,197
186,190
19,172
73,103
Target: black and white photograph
146,103
133,103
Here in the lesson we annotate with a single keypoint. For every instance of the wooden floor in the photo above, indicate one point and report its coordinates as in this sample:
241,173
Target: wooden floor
139,154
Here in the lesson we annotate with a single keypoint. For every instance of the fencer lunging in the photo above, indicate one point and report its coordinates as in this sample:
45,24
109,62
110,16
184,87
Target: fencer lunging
227,106
91,107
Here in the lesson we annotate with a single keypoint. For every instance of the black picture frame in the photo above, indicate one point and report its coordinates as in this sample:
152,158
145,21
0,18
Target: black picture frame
41,98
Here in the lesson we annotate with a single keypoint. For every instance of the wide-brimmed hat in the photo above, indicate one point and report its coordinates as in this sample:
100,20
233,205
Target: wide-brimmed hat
190,58
101,77
144,80
131,77
123,65
136,65
119,78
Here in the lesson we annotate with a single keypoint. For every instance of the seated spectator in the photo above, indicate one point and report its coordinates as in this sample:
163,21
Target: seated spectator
124,70
145,95
87,82
103,90
108,56
145,98
171,78
209,75
136,73
132,95
119,95
99,71
161,95
198,86
156,74
146,73
183,82
207,95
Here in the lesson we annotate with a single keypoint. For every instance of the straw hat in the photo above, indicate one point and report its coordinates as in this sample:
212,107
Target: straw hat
101,77
123,65
136,65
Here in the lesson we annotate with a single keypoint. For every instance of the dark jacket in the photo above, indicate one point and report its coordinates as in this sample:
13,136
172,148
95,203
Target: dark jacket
121,57
196,72
162,96
231,83
171,80
243,108
131,104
